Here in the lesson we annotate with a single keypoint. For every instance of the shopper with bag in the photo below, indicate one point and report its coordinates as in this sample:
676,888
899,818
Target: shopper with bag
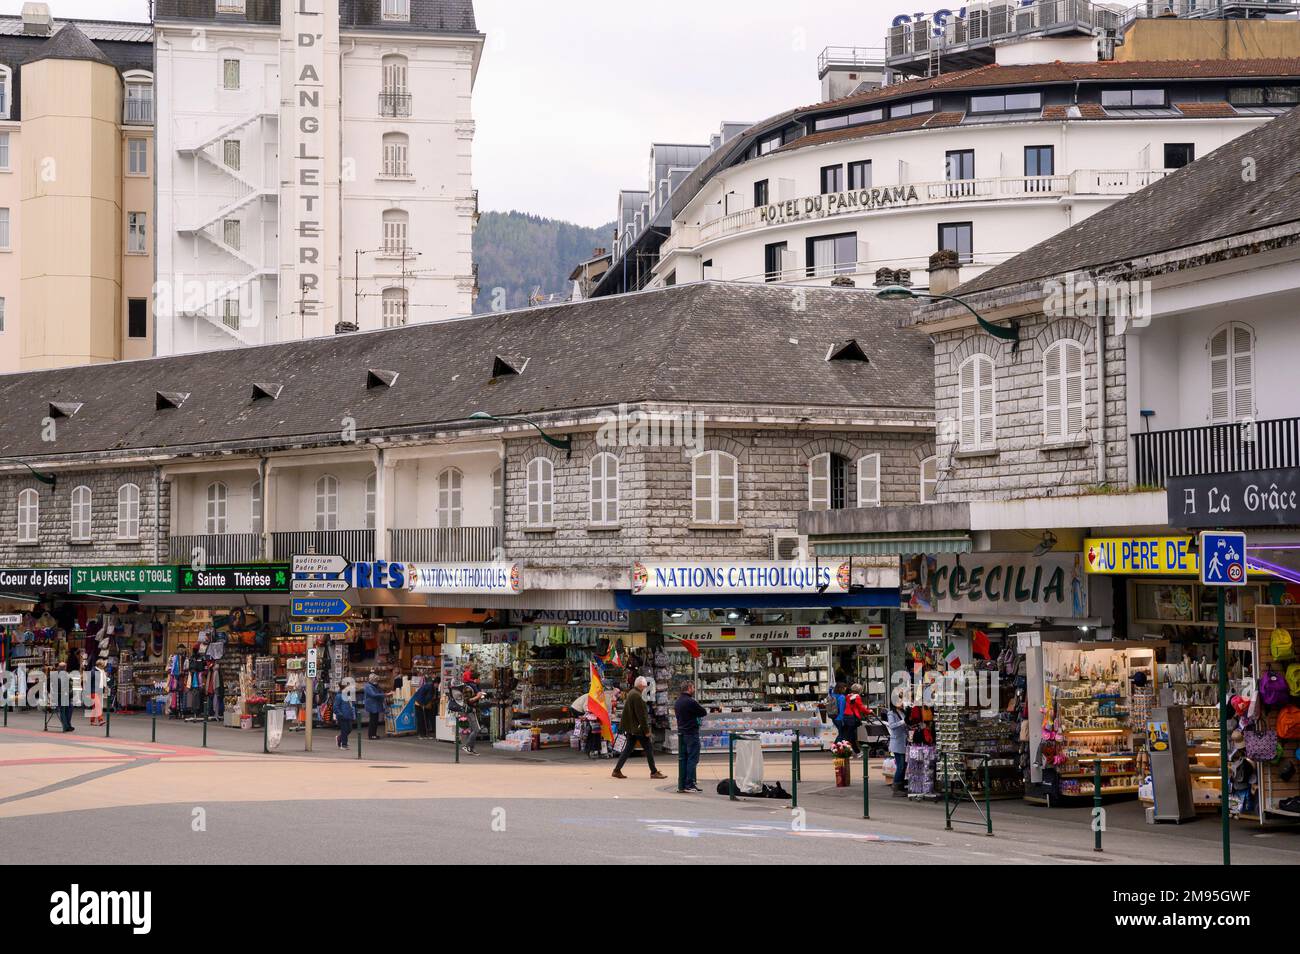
635,725
896,723
472,695
346,713
855,710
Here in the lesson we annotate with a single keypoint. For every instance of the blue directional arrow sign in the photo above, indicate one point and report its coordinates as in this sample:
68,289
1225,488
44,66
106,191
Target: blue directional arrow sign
1223,558
337,628
319,606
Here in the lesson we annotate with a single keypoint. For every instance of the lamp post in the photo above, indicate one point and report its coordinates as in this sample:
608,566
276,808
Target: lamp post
903,293
561,443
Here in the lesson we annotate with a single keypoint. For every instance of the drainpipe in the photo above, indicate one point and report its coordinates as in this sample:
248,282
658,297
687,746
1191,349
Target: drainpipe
1101,397
157,516
381,504
263,471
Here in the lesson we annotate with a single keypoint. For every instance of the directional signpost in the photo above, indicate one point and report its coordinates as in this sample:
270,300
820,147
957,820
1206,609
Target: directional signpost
319,606
315,573
336,627
1223,563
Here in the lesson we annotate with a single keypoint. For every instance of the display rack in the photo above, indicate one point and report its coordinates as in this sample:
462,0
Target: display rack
776,729
1273,789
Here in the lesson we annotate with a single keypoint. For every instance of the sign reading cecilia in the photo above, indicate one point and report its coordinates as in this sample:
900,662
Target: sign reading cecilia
650,579
835,203
997,584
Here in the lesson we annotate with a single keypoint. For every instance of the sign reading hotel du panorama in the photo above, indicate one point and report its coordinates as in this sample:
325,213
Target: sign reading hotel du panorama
661,579
836,203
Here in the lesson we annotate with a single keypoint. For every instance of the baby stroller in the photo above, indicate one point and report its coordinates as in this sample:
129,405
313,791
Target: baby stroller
874,736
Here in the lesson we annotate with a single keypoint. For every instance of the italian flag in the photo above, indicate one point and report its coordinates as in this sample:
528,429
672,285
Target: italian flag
951,657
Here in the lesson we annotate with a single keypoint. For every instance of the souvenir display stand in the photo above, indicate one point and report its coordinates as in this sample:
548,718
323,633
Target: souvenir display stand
1278,800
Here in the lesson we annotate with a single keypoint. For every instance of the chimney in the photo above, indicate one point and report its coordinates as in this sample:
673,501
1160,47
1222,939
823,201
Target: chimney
842,281
37,20
598,252
945,271
885,276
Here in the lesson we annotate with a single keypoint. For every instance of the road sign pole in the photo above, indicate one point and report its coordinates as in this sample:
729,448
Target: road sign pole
307,707
1223,731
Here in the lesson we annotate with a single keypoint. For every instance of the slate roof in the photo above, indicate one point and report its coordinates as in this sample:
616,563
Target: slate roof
432,16
1201,202
68,43
711,342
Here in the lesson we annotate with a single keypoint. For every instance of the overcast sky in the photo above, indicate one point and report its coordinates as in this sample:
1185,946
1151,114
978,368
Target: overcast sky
570,94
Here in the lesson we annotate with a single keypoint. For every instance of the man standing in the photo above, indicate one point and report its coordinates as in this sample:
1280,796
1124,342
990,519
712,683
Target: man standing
375,698
424,702
474,695
689,713
635,724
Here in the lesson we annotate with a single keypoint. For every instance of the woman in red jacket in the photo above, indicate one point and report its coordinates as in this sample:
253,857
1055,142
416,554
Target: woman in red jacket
855,710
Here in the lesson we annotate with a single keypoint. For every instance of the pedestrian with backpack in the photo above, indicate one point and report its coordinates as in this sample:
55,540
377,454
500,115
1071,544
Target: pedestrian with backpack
346,714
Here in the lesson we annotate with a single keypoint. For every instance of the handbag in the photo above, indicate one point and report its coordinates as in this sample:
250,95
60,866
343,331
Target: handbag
620,743
1261,742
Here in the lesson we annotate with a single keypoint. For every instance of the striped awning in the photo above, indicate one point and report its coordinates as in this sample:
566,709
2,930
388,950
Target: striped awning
894,544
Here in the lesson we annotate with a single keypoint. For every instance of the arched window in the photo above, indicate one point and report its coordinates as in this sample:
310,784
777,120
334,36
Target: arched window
217,494
498,496
449,497
714,487
541,492
827,482
929,479
255,507
80,521
1063,391
395,305
395,228
128,512
6,91
604,489
395,98
327,502
869,480
372,484
29,516
1232,374
976,403
396,154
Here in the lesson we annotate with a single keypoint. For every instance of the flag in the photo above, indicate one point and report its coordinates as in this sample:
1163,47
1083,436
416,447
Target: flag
596,704
691,646
951,658
980,644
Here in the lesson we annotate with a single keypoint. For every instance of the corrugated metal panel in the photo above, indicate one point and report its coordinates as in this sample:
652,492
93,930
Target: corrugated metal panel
894,545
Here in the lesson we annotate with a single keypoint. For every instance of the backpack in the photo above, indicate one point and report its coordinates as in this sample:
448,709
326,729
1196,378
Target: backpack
1293,678
1273,689
833,707
1281,646
1288,722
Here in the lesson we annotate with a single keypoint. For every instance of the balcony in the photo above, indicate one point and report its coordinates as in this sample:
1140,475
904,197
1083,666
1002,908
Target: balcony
1215,449
395,105
445,544
137,112
850,57
352,545
216,548
944,192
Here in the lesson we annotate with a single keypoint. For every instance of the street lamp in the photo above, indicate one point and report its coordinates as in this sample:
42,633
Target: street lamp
562,443
902,293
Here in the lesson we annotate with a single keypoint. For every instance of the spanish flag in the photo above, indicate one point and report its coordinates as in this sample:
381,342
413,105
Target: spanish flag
596,704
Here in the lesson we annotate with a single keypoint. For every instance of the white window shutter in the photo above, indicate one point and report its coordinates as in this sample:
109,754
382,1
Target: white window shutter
727,488
819,482
984,401
1052,392
703,487
1073,370
966,410
869,480
1243,373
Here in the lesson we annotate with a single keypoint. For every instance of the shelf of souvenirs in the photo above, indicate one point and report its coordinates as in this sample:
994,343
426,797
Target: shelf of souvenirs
1111,765
1116,785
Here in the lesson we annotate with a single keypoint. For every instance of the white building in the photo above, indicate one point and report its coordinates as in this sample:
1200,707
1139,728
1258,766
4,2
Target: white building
313,169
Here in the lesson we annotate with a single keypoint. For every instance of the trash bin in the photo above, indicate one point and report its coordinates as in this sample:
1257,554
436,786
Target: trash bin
748,762
274,727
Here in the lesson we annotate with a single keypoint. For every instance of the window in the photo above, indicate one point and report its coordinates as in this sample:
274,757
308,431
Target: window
79,524
29,516
832,179
760,193
4,91
860,174
1232,374
397,10
230,6
541,492
372,484
959,167
869,481
128,512
137,106
850,119
832,254
975,409
1008,103
230,73
774,260
929,479
137,318
450,482
230,312
230,153
395,97
394,304
4,152
1264,96
2,314
959,237
1128,98
216,522
395,225
1179,154
255,507
826,482
911,109
4,229
714,487
1039,161
327,502
137,239
137,157
604,490
1063,391
396,149
769,144
230,231
498,496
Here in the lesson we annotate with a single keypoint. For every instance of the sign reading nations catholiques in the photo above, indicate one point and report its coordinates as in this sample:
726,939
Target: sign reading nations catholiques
654,579
463,578
995,585
1249,498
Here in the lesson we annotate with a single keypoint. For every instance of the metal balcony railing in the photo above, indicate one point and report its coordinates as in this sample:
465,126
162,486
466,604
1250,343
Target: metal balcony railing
352,545
851,57
1215,449
137,112
216,548
395,105
444,544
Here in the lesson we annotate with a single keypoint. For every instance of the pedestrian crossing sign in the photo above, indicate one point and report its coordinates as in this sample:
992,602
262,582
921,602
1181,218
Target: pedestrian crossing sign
1223,558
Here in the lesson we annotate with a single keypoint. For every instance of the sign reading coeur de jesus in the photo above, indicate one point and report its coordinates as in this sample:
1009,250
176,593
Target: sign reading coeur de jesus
653,579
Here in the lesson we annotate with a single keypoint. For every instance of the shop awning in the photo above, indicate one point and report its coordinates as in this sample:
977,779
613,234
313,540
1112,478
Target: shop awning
883,597
894,544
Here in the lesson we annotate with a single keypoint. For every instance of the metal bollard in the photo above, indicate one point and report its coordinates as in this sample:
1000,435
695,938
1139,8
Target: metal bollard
206,703
153,728
866,777
947,817
266,732
988,802
794,772
108,721
358,745
731,766
1096,804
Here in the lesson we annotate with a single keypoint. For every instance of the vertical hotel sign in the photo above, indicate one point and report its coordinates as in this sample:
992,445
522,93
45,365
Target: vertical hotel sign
311,37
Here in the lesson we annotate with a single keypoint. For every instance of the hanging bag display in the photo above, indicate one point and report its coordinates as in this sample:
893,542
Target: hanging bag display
1273,689
1288,722
1261,742
1281,645
1293,679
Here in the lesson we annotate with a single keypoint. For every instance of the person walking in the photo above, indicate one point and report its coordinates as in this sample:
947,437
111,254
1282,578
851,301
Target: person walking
374,705
635,724
855,710
423,701
896,723
98,686
689,713
61,692
346,714
473,695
